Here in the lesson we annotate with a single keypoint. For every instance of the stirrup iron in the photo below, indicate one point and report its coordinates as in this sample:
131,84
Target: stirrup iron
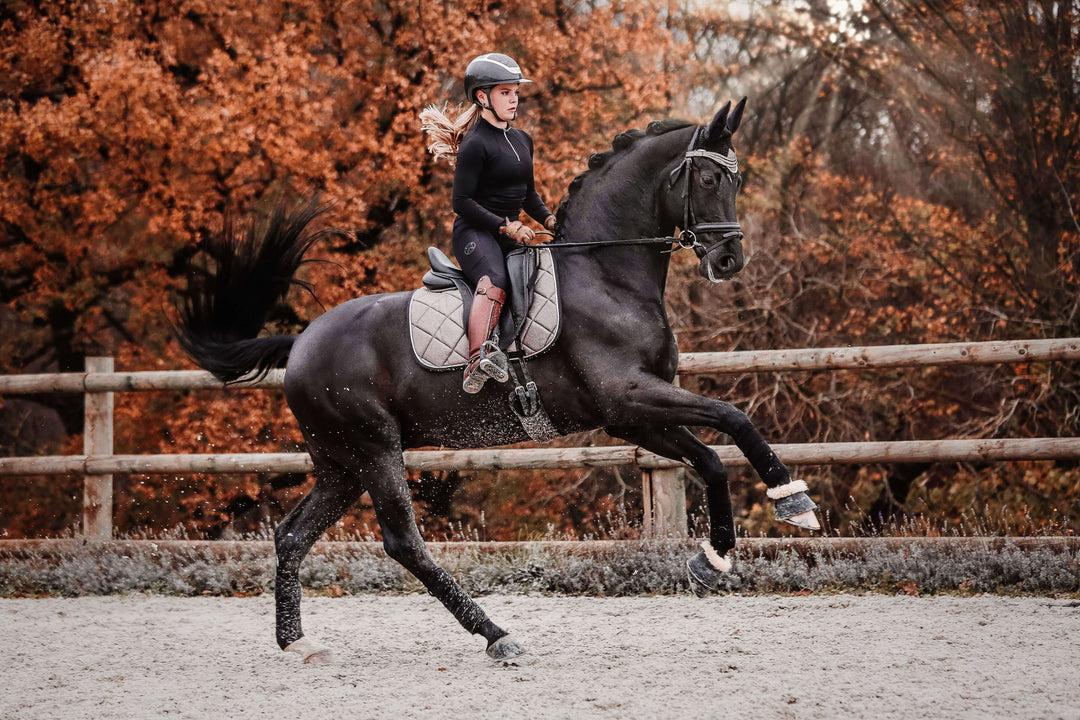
493,362
489,366
474,379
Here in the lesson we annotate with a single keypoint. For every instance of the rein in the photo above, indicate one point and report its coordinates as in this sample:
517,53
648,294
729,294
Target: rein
687,238
666,240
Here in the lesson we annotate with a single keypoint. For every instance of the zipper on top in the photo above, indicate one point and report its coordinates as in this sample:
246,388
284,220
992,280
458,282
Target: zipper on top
506,134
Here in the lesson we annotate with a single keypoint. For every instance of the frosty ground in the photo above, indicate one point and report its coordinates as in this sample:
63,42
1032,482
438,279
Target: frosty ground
403,656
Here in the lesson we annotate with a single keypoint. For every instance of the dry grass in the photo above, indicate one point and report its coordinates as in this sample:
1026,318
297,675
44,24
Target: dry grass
630,567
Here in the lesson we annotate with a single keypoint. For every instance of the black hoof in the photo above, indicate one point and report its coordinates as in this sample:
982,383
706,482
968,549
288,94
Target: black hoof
504,648
704,578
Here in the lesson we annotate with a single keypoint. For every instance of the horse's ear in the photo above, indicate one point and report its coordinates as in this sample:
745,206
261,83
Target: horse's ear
735,117
715,128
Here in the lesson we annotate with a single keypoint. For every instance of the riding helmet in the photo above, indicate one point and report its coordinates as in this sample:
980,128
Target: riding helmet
490,70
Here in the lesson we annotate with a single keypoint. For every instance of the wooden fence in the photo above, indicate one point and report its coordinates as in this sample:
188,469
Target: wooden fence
664,492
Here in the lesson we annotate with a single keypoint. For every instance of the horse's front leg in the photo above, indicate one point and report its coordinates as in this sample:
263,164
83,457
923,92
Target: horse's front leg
651,402
705,569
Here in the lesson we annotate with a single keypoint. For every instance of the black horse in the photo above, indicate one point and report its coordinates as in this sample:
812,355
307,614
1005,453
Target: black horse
361,398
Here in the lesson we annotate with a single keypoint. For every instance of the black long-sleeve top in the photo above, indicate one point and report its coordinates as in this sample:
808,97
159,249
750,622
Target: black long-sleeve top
493,179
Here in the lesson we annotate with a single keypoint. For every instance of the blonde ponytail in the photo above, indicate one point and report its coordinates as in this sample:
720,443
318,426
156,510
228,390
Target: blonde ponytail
445,133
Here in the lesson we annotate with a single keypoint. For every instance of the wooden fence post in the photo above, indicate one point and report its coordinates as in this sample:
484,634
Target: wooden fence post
98,440
663,492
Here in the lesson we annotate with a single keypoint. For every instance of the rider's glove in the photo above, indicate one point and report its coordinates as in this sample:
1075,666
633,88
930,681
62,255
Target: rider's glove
517,231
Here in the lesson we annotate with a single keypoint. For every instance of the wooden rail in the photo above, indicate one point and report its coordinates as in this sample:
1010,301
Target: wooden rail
664,496
882,356
840,453
839,358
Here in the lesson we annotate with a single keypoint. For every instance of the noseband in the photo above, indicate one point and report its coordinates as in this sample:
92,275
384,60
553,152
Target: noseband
688,233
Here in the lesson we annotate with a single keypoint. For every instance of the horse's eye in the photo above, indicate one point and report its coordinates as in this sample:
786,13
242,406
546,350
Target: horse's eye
708,180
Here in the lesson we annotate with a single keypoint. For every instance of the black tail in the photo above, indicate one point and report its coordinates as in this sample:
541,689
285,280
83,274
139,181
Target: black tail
222,310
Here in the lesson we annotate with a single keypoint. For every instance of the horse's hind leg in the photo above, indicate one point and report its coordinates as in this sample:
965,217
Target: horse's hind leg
678,443
656,404
331,496
403,542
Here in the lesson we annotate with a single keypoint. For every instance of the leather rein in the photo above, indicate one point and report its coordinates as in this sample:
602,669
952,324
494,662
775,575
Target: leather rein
687,239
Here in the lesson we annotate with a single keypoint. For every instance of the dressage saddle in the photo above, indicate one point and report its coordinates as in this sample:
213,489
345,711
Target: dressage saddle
521,265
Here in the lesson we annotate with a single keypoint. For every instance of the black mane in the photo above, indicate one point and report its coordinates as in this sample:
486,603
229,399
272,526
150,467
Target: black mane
620,143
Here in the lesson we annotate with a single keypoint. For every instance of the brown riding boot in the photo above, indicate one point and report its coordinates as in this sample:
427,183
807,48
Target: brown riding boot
486,360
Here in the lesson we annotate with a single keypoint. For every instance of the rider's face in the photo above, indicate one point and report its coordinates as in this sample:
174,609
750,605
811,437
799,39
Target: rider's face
504,100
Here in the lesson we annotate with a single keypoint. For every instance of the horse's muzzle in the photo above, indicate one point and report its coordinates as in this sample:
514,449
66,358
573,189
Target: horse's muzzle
723,259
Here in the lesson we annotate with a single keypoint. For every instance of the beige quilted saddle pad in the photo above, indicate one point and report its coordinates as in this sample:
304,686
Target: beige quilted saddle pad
438,336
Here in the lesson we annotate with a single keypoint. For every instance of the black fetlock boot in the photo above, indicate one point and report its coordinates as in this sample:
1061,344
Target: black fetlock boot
705,569
794,506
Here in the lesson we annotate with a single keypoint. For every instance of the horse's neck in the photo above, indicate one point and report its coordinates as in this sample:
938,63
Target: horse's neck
625,209
629,274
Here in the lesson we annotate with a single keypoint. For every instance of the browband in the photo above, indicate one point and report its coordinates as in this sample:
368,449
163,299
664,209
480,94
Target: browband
729,161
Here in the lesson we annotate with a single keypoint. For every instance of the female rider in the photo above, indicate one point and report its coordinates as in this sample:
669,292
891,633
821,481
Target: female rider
493,182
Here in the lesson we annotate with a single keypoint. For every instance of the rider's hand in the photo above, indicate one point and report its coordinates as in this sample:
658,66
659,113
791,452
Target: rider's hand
549,224
518,232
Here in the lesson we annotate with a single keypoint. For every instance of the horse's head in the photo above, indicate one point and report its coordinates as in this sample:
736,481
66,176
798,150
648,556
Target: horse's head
701,195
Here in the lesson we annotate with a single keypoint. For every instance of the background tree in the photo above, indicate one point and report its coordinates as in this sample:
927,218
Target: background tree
912,177
129,129
873,200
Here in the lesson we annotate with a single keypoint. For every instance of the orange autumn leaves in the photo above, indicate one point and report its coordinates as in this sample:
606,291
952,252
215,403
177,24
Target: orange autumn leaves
129,129
908,180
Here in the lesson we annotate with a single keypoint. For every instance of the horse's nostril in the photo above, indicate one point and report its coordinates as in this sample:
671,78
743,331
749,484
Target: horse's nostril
727,263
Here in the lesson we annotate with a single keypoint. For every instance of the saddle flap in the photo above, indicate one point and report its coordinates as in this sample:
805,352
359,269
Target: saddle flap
521,267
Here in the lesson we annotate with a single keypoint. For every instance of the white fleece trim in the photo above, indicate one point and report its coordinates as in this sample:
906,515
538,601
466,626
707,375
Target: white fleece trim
783,491
720,563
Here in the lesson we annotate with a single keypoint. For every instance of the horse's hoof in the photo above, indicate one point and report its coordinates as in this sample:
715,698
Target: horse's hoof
704,578
311,651
807,520
504,648
321,657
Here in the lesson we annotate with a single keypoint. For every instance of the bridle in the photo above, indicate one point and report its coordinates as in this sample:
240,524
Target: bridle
687,238
688,234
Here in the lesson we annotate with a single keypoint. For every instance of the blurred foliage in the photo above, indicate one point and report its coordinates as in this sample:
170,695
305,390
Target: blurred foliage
913,175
